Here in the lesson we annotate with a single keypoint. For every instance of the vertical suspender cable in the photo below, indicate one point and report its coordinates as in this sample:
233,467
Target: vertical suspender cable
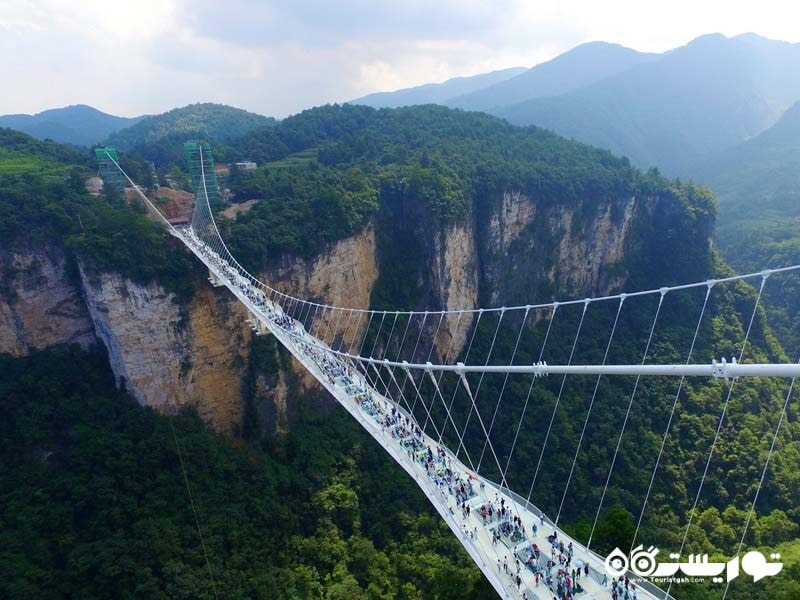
589,411
558,399
625,420
719,424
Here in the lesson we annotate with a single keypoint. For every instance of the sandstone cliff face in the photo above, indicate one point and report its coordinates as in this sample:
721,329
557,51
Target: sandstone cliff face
39,305
168,355
534,252
454,271
512,249
344,276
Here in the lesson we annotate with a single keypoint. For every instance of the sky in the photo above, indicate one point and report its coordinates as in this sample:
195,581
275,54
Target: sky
278,57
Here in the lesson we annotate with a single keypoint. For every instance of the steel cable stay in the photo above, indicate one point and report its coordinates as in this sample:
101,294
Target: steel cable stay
391,369
558,399
348,347
460,434
625,421
763,476
430,354
719,426
474,407
331,334
418,396
377,335
671,416
589,411
414,352
521,419
503,388
438,380
405,401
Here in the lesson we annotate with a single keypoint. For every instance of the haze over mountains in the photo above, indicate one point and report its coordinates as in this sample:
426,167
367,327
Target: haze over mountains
79,124
439,93
670,110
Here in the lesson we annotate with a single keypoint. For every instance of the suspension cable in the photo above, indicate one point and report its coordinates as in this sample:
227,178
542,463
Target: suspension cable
194,510
763,475
503,388
528,397
625,422
719,425
589,411
474,406
671,416
558,399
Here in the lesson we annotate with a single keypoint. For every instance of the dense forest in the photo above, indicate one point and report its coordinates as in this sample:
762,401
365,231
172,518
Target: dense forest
319,512
758,184
43,202
160,138
96,502
329,169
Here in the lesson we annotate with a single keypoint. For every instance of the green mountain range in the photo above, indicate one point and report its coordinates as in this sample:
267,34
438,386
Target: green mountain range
670,111
577,68
160,138
680,109
758,184
437,93
93,489
79,125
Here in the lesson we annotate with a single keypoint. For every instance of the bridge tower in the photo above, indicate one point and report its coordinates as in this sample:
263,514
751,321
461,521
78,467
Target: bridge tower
107,161
201,170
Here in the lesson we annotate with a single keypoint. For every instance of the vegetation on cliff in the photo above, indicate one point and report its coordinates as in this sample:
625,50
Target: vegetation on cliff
443,163
95,504
160,138
297,518
46,204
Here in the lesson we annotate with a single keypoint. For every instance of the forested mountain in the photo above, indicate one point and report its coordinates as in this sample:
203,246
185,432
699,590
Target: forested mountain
437,93
684,107
94,490
569,71
159,138
758,178
668,111
22,154
758,184
79,125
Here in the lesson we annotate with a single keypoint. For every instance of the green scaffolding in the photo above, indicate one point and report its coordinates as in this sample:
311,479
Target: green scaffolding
107,161
201,170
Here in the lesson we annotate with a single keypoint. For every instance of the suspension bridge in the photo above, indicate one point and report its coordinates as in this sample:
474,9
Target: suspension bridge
433,388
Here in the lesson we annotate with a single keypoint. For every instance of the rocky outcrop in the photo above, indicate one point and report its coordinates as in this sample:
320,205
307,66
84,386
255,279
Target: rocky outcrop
344,276
511,249
455,281
40,305
168,355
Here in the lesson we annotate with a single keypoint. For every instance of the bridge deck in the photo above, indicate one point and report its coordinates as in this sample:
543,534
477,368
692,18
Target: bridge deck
375,413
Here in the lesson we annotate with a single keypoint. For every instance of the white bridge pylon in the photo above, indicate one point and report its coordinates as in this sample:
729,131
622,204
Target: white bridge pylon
356,381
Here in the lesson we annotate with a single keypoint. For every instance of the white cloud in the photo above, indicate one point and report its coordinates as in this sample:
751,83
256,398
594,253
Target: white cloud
277,57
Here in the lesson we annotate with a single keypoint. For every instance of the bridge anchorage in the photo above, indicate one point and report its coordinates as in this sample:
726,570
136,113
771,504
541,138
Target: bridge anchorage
410,404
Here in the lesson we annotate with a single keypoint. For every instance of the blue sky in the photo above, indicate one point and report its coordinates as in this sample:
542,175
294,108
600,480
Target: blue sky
279,57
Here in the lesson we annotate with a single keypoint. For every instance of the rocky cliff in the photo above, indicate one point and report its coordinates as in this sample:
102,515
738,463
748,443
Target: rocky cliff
168,354
40,303
510,249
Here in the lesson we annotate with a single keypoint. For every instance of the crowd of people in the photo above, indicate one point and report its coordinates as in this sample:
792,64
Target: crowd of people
554,568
